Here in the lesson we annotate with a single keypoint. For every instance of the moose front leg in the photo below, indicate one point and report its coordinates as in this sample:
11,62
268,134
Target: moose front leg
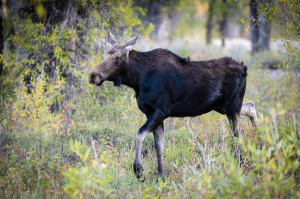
158,133
152,122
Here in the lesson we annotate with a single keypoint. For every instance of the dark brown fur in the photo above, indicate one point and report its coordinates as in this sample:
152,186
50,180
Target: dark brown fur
168,85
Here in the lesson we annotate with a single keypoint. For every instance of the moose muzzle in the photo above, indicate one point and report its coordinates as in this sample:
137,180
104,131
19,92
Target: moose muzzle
96,79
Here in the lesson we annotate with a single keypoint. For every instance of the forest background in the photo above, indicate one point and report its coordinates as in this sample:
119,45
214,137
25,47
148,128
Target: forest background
61,137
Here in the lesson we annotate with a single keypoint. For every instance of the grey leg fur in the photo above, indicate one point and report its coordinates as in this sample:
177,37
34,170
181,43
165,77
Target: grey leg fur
152,122
248,109
137,164
159,146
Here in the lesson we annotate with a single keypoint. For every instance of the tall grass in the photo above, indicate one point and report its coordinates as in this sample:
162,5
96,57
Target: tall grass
87,150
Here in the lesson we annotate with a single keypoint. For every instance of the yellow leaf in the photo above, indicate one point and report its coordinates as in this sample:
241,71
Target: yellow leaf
66,190
247,29
242,20
161,185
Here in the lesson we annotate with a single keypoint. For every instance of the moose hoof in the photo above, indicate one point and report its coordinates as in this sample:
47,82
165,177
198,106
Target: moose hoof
160,178
139,172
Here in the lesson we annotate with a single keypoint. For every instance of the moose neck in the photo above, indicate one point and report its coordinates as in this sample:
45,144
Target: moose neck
132,72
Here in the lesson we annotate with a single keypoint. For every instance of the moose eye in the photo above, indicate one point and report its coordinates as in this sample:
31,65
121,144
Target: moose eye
111,52
116,58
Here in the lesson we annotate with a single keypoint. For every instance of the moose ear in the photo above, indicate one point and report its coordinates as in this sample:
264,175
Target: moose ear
131,42
110,38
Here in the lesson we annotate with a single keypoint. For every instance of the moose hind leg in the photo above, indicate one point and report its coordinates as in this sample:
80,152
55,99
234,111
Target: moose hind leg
248,109
234,124
158,133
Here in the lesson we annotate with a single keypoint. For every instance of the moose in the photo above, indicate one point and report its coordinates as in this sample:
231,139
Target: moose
167,85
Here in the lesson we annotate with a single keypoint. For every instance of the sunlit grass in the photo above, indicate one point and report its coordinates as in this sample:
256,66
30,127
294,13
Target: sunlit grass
198,159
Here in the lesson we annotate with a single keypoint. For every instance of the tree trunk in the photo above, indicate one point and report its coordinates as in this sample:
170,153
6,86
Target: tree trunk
253,26
209,25
264,29
223,22
154,14
72,43
1,36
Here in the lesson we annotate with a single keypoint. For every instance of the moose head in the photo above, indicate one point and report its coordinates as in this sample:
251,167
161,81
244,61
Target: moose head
113,60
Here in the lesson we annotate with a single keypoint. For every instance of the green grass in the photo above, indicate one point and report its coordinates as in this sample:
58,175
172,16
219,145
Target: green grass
198,158
191,171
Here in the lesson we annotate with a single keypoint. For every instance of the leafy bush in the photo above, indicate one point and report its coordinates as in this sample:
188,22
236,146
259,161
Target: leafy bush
86,147
90,178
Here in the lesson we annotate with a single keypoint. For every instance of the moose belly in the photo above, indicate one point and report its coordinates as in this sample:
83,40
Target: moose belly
189,111
196,105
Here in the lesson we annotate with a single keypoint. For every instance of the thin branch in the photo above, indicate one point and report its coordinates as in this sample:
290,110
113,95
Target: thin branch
95,151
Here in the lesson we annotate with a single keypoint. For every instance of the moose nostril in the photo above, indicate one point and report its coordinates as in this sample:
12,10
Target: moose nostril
92,77
97,80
